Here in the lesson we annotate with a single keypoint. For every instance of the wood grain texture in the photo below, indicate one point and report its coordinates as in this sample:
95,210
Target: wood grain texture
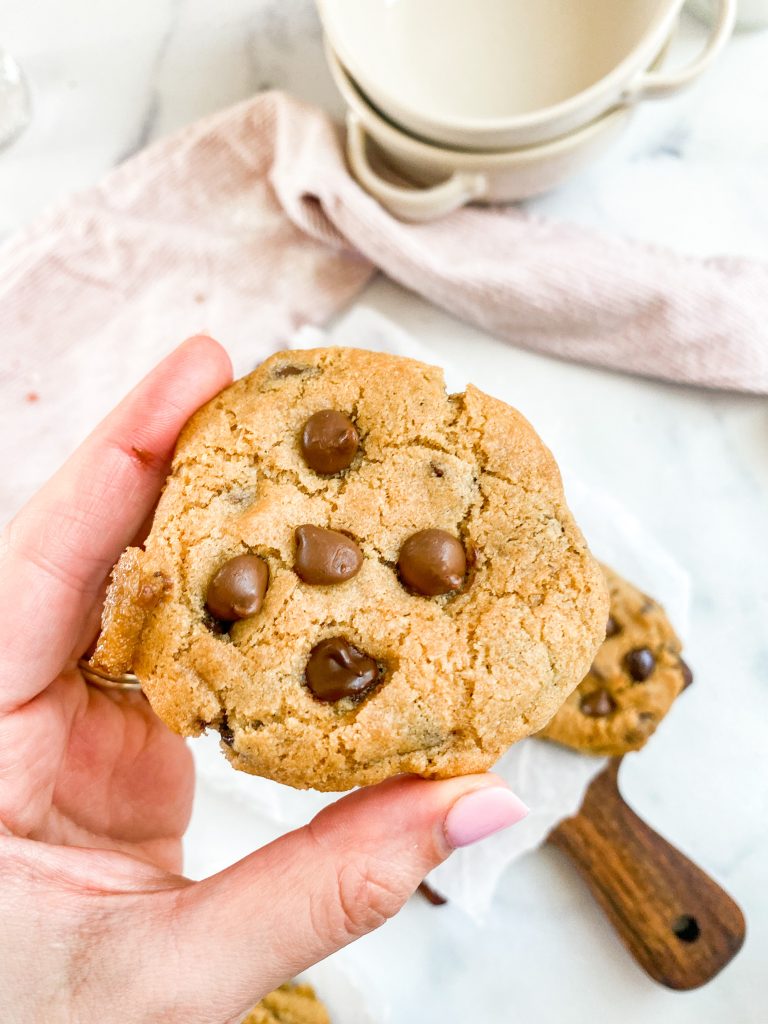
432,895
679,925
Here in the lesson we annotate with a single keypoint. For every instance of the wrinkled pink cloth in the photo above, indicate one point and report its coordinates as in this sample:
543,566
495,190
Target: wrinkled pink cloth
248,224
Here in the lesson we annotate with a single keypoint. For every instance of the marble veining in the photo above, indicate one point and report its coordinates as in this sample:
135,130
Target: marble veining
690,172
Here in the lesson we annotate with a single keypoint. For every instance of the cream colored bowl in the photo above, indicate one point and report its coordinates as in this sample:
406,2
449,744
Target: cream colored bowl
497,74
442,179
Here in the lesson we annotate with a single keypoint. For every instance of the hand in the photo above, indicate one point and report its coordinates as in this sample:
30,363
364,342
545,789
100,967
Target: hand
96,922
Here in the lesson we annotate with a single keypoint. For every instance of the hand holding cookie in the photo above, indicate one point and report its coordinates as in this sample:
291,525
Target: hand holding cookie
96,792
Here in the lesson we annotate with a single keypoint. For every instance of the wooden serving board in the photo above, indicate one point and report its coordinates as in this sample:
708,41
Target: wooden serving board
677,923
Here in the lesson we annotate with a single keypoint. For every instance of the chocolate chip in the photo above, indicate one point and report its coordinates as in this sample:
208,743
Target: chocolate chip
225,732
639,663
436,470
611,627
237,590
325,556
597,704
336,669
687,674
241,497
329,441
289,370
432,562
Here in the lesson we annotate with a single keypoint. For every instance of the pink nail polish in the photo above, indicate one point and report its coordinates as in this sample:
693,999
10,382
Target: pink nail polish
481,813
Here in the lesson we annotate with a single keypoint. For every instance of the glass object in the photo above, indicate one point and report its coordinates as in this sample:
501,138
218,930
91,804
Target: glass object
15,107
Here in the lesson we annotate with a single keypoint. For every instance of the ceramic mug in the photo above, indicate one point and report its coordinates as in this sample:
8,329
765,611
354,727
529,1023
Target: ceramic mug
499,74
750,14
445,179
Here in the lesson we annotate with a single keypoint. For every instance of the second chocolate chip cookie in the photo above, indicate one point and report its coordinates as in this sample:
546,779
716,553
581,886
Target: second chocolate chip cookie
635,677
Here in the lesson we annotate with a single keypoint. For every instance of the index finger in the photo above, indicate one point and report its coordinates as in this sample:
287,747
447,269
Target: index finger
56,553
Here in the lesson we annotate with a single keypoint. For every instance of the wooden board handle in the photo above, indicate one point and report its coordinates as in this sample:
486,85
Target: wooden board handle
679,925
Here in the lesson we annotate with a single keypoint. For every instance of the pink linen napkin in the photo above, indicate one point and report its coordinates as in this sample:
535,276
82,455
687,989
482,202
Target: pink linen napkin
247,224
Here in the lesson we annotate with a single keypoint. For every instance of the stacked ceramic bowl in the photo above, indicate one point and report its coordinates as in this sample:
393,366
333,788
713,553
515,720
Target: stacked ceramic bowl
457,101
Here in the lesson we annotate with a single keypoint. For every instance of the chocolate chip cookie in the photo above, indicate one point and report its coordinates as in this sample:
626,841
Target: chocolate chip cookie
289,1004
635,677
353,574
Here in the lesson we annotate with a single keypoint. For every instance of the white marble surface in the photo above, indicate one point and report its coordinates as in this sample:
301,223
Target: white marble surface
691,172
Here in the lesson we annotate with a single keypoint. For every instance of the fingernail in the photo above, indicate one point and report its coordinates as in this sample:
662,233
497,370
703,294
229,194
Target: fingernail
481,813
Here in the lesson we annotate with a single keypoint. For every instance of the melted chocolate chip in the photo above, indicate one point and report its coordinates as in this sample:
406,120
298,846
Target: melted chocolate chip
687,674
289,370
225,732
640,663
432,562
436,471
241,497
336,669
329,441
325,556
237,590
597,704
611,627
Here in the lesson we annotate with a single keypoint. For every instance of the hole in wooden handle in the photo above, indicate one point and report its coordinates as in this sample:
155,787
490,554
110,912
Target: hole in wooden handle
686,928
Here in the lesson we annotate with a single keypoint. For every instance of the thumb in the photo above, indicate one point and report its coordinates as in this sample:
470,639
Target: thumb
247,929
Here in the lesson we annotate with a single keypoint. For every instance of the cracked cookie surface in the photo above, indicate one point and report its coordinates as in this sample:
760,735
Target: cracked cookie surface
461,675
635,677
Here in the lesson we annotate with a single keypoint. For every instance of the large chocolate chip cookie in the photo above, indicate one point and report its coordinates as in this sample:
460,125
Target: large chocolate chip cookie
353,574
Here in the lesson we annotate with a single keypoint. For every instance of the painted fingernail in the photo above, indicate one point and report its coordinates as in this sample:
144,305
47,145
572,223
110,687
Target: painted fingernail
481,813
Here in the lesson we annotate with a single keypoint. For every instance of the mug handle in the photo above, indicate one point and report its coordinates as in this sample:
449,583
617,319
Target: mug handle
414,204
657,84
